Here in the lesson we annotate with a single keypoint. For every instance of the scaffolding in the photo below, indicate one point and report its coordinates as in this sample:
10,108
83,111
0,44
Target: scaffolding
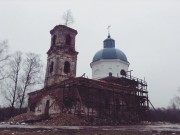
107,101
118,99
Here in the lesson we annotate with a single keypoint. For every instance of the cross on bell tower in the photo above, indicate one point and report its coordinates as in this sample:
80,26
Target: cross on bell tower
62,56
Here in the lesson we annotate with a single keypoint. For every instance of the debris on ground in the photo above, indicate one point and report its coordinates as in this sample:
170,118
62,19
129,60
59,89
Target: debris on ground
24,118
63,119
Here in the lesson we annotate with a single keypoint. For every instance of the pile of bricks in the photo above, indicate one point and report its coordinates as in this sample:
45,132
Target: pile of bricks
25,117
64,120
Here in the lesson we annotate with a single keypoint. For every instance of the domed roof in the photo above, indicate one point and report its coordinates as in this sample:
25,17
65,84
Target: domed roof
109,51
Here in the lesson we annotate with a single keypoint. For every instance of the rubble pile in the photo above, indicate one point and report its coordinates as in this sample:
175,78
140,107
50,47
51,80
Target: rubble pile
57,120
25,117
64,120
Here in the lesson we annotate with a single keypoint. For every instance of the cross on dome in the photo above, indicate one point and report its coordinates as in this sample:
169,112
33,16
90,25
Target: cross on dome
108,28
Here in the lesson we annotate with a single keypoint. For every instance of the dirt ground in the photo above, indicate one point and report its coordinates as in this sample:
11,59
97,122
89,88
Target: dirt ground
76,126
82,132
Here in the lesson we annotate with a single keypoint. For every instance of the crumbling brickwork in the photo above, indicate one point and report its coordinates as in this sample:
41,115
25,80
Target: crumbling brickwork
125,100
62,57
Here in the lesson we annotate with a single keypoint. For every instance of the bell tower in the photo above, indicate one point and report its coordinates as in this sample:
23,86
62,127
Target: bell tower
62,56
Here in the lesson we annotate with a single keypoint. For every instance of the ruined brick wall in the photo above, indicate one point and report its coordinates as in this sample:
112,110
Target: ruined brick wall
94,99
58,75
47,101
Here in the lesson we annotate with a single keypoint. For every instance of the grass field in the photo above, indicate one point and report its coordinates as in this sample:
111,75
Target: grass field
81,132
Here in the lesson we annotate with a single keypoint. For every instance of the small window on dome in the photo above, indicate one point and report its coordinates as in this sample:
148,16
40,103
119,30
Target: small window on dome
123,72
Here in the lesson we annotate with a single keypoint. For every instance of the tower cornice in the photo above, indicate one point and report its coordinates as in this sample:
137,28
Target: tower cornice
63,26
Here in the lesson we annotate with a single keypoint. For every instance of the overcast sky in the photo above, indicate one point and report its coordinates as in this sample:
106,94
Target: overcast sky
147,31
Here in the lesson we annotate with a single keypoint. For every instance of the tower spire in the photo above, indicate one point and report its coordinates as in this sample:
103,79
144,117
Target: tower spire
108,28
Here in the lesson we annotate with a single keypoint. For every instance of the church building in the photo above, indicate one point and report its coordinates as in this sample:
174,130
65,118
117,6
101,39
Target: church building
111,94
109,61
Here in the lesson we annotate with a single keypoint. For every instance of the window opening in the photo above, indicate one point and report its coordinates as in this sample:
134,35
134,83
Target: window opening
53,40
123,72
66,67
47,108
68,39
51,67
110,73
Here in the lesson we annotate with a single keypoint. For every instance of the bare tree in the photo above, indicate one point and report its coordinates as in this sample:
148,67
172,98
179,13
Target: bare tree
24,75
3,58
31,76
68,18
15,65
175,101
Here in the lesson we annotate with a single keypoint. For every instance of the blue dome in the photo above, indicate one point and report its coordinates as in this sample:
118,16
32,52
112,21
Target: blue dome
109,51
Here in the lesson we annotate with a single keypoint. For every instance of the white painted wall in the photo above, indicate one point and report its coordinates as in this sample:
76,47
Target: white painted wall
101,68
40,108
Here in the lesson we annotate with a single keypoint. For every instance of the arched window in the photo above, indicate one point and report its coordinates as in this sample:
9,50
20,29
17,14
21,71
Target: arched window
123,72
53,40
110,73
68,39
51,67
66,67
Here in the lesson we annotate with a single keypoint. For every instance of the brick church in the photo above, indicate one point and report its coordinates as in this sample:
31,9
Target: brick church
111,94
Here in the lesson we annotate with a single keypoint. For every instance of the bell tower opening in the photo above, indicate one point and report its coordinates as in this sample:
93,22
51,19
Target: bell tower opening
68,39
66,67
53,40
51,67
